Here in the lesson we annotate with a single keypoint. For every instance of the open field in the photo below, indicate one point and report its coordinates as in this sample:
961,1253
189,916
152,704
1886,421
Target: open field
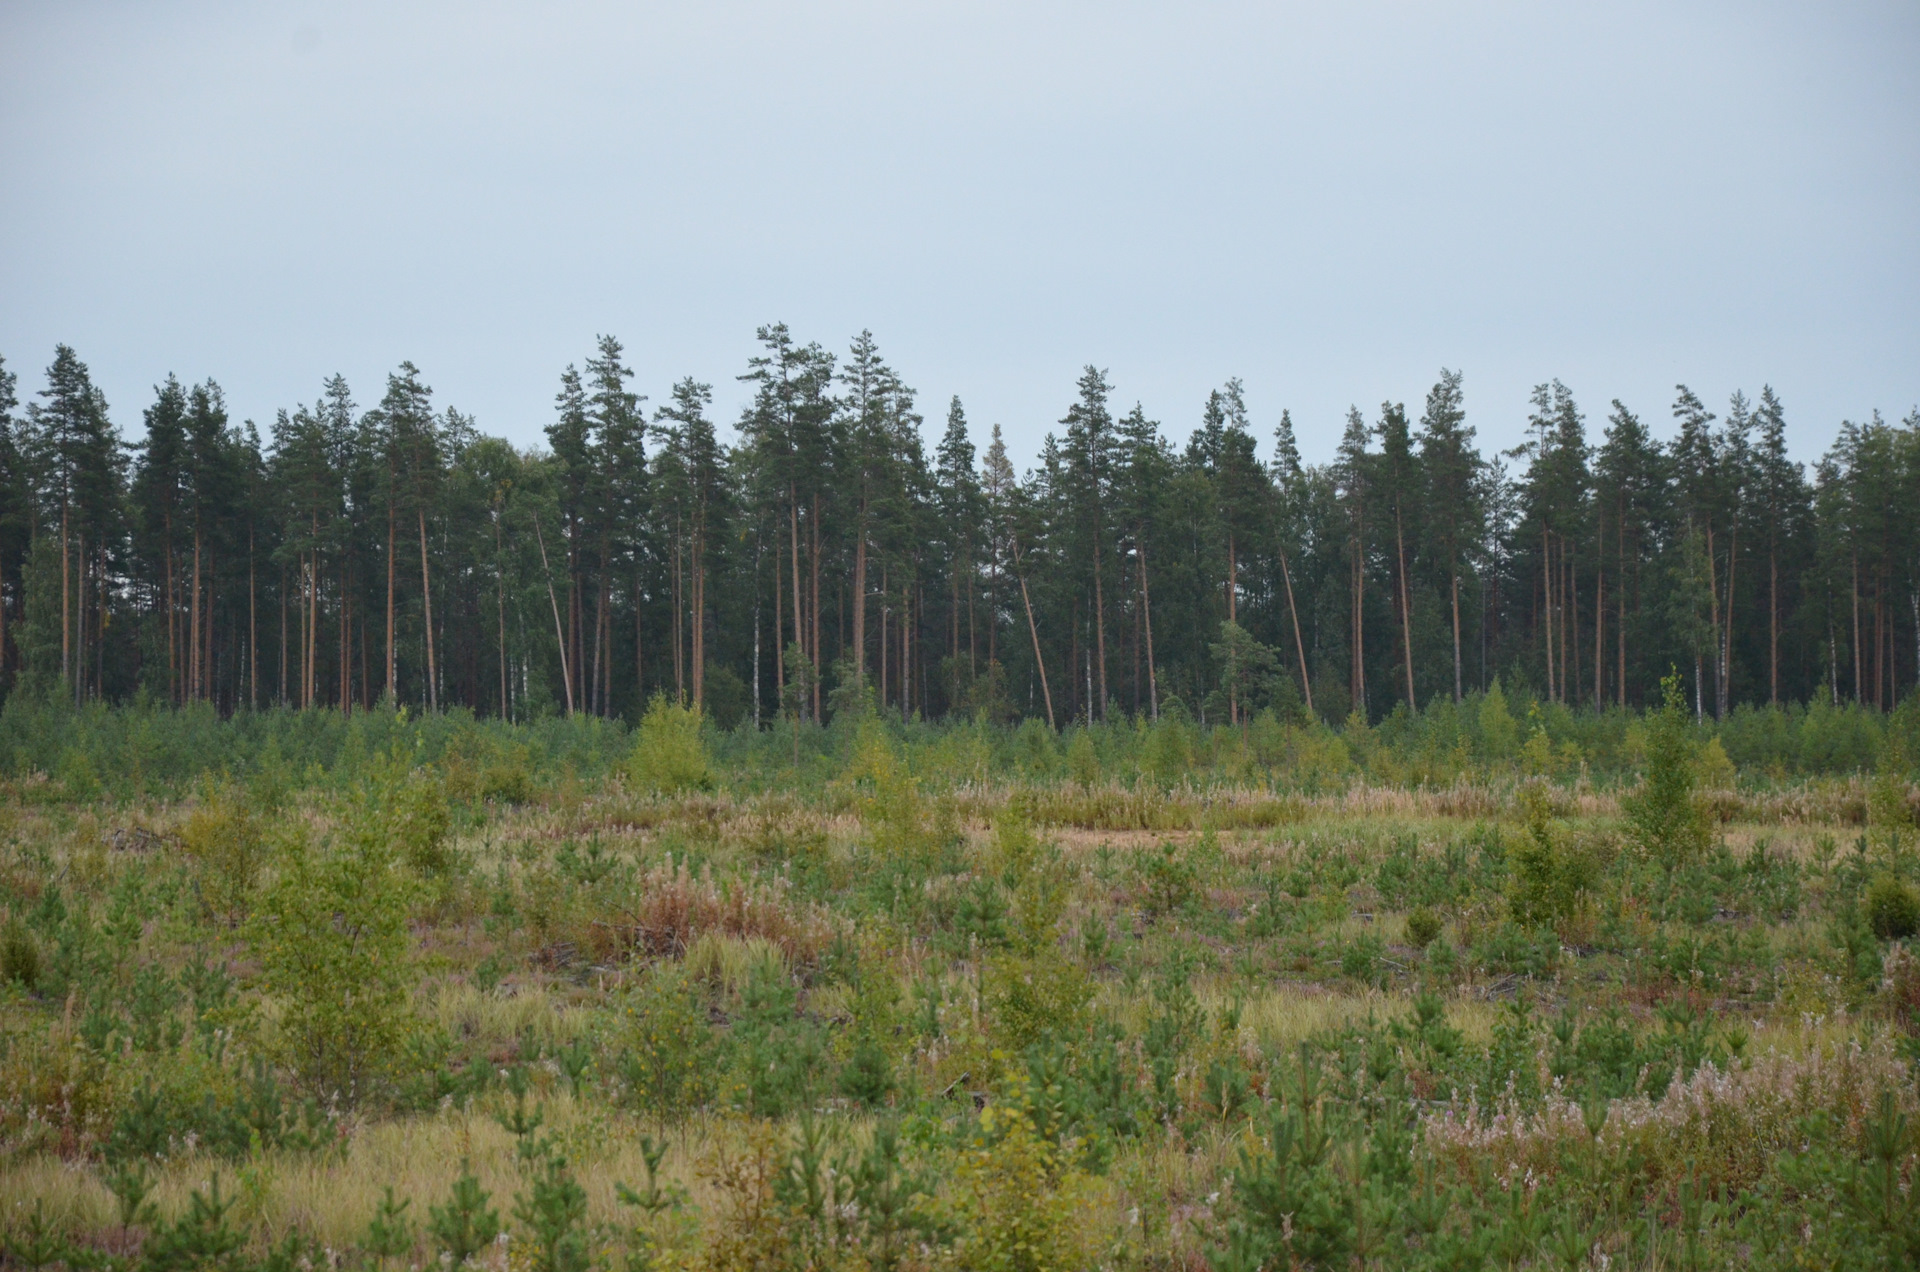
556,997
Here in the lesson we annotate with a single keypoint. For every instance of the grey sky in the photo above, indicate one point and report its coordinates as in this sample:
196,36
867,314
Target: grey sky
1331,201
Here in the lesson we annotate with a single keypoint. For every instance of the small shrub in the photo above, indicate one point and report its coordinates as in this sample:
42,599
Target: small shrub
1892,908
1360,961
1168,878
1552,872
466,1225
332,939
1664,818
19,955
1083,761
1029,998
1016,1219
224,838
418,822
671,754
668,1059
1423,926
1168,754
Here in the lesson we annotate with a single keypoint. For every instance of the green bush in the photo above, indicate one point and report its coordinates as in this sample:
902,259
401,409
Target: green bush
1423,927
1892,908
671,755
667,1062
1552,871
227,844
1664,818
333,943
19,956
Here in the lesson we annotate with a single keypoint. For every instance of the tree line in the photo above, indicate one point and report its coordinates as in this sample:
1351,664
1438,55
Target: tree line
826,557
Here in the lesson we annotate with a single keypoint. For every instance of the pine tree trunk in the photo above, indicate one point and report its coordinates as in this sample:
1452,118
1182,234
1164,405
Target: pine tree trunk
1599,639
253,628
679,621
1454,589
1359,668
346,637
1773,626
559,634
1857,684
1146,614
173,618
1300,645
1099,627
500,612
813,536
1406,615
1546,604
1726,645
699,610
793,543
66,599
1713,616
860,598
392,691
1620,536
1033,630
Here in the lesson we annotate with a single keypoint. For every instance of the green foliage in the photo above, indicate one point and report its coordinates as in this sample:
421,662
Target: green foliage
1664,819
1167,877
331,936
1423,927
1892,908
1030,998
226,840
1889,815
390,1233
1083,760
670,754
1017,1214
37,1242
553,1209
667,1058
465,1225
1552,871
1167,757
20,962
1499,732
205,1238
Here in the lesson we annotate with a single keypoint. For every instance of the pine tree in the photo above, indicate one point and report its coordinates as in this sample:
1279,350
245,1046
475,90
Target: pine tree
157,496
1782,498
1450,467
1399,485
1088,452
692,483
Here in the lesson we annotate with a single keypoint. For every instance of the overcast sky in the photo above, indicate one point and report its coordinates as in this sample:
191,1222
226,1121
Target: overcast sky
1331,201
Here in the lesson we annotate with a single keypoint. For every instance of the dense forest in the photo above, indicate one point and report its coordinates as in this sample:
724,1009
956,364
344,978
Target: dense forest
346,552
